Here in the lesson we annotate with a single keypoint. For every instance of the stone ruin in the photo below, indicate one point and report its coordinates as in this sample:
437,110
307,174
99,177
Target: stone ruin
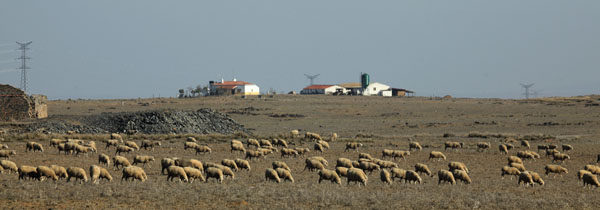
15,105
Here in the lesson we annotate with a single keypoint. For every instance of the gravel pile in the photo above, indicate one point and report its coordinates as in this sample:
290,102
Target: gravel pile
202,121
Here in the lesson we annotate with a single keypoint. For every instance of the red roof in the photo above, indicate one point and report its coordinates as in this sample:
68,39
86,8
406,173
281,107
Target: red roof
230,87
227,83
317,87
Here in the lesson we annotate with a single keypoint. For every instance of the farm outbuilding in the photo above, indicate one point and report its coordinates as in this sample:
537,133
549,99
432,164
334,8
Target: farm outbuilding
321,89
233,88
375,89
16,105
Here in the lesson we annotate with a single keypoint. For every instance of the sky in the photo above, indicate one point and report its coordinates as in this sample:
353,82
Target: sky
150,48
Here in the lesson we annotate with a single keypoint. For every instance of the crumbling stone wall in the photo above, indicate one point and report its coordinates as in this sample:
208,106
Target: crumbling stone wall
16,105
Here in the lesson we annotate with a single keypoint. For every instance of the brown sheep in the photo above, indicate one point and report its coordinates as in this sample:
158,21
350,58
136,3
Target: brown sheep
385,176
334,137
26,171
95,174
215,173
243,164
558,157
320,159
387,164
507,170
399,173
120,161
105,175
229,163
190,163
250,154
457,165
60,171
526,179
83,149
318,147
551,152
462,176
326,174
134,173
9,165
132,144
422,168
104,159
413,177
365,156
116,136
271,175
7,153
265,143
253,142
453,145
580,174
414,145
555,169
342,171
593,169
190,139
77,173
482,146
150,144
113,143
386,153
238,147
324,143
190,145
176,172
370,167
165,163
519,166
590,179
285,174
312,165
436,155
525,143
400,154
288,152
227,172
123,148
357,175
143,159
514,159
302,151
344,162
446,176
56,142
536,178
355,164
312,136
203,149
280,164
38,147
542,147
194,174
353,146
503,149
44,171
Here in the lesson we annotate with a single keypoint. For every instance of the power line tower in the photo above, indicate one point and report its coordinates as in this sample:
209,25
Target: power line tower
311,78
23,47
527,86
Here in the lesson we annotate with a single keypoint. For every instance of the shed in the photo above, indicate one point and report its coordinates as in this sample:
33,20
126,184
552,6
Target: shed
321,89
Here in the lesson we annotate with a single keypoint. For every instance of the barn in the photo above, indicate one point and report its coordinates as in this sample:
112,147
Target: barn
322,89
15,105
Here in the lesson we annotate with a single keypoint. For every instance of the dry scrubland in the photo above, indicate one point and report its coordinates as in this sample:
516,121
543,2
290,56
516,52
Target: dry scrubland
379,123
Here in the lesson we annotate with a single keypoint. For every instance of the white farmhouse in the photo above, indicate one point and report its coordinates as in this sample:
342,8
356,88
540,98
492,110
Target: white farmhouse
233,88
376,89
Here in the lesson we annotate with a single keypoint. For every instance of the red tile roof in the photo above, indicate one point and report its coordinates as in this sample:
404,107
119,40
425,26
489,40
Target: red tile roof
230,87
317,87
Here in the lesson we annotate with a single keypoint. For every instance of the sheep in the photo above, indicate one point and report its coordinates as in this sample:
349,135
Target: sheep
525,143
266,151
446,176
7,153
280,164
481,146
176,172
83,149
334,137
387,164
227,172
593,169
189,163
113,143
525,155
536,178
116,136
507,170
134,173
312,164
272,175
385,176
353,146
95,174
265,143
60,171
355,164
253,142
253,154
165,163
44,171
120,161
326,174
324,143
590,179
551,152
413,177
370,167
56,142
436,155
3,146
503,149
26,171
295,133
230,163
29,146
542,147
37,147
580,174
285,174
509,146
462,176
281,143
203,149
342,171
525,178
191,145
385,153
344,162
458,165
123,148
288,152
243,164
238,147
414,145
9,165
312,136
552,146
560,157
190,139
452,145
77,173
194,174
150,144
514,159
519,166
318,147
215,173
357,175
143,159
400,154
320,159
555,169
132,144
91,144
104,159
302,151
422,168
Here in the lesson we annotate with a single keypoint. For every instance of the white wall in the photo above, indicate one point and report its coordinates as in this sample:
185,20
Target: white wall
375,89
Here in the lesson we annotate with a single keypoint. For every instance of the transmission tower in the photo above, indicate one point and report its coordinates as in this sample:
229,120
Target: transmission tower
312,78
527,86
23,47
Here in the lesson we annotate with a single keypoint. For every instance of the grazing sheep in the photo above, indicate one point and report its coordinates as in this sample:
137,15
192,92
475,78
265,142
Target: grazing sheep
342,171
236,142
519,166
26,171
29,146
190,139
400,154
446,176
227,172
370,167
551,152
176,172
482,146
123,148
253,142
353,146
56,142
295,133
3,146
238,147
592,168
215,173
134,173
312,136
194,174
503,149
83,149
334,137
77,173
229,163
265,143
190,163
509,146
542,147
132,144
387,164
302,151
120,161
165,163
203,149
104,159
318,147
143,159
385,153
526,179
413,177
462,176
560,157
288,152
507,170
9,165
281,143
357,175
324,143
105,175
253,154
552,146
580,174
37,147
243,164
514,159
150,144
555,169
457,165
7,153
422,168
190,145
326,174
320,159
116,136
452,145
312,164
414,145
355,164
590,179
44,171
525,143
280,164
536,178
436,155
285,174
95,174
344,162
385,176
113,143
271,175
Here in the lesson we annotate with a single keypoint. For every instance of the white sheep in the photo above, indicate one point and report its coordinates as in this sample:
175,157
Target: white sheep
413,145
203,149
446,176
44,171
555,169
194,174
344,162
398,173
457,165
507,170
436,155
230,163
462,176
280,164
591,180
134,173
326,174
143,159
132,144
77,173
413,177
120,161
422,168
9,165
176,172
357,175
243,164
104,159
312,164
123,148
342,171
271,175
526,179
285,174
385,176
60,171
215,173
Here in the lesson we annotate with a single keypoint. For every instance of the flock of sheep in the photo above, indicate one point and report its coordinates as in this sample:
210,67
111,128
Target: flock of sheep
354,171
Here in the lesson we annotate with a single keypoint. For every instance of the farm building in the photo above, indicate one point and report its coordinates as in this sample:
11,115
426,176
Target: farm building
322,89
233,88
377,89
402,92
352,88
16,105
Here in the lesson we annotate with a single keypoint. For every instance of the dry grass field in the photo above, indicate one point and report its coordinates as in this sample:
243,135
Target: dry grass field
379,123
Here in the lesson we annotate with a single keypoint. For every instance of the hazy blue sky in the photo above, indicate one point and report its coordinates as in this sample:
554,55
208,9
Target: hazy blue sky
141,48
